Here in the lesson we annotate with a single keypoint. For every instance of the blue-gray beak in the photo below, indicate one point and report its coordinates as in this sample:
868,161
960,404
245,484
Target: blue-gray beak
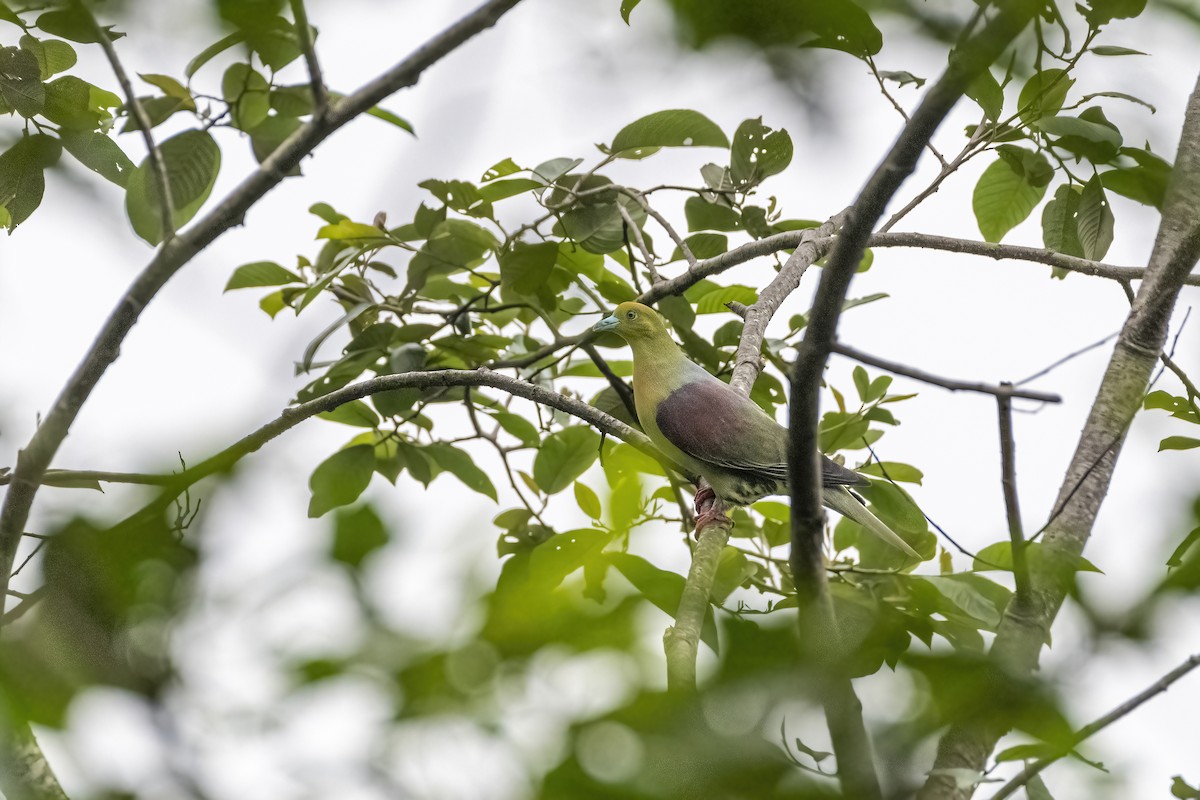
606,324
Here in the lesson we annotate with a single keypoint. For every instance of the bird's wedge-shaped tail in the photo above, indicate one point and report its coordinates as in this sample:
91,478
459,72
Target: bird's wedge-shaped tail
842,501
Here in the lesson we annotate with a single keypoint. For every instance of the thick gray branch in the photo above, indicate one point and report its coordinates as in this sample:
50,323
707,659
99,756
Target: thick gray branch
24,772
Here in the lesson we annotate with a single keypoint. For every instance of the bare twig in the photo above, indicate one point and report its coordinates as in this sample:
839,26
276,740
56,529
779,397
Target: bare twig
73,478
895,367
24,771
1008,466
35,457
1068,357
1086,732
158,166
304,34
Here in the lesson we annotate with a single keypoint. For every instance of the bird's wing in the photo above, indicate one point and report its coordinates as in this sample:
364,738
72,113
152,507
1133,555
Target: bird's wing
712,423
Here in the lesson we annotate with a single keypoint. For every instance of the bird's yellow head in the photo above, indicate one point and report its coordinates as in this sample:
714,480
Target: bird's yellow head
633,321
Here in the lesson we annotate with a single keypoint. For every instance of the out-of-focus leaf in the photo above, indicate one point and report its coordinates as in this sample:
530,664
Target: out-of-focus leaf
192,160
672,128
341,478
357,533
564,456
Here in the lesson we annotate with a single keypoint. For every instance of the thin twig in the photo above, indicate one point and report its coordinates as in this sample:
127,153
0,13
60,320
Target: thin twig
316,81
1008,466
895,367
72,478
1086,732
1068,357
157,165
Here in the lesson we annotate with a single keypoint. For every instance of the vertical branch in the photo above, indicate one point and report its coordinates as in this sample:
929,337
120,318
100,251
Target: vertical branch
24,772
1023,631
157,166
681,641
1009,480
304,33
855,763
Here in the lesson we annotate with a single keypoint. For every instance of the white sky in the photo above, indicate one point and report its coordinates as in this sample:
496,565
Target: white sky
203,368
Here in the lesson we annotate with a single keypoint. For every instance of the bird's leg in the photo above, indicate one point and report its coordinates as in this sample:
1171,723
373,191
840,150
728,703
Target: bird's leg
709,509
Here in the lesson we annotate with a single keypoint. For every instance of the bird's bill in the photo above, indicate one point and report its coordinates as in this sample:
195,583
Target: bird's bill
606,324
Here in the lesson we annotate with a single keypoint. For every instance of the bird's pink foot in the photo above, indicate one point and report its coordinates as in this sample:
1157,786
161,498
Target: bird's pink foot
706,498
709,510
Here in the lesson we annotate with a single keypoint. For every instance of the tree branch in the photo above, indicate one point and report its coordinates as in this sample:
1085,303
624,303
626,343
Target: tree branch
842,711
158,167
24,772
1023,632
1126,708
304,34
178,251
1008,480
815,243
1003,390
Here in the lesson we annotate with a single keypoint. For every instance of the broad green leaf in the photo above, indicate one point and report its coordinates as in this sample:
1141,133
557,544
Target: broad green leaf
500,190
169,86
1060,223
1178,443
1004,197
1146,182
53,56
268,135
1080,127
703,245
357,533
973,595
564,456
673,128
158,110
7,15
525,268
705,216
348,229
1101,12
1043,95
453,244
261,273
100,154
758,152
500,169
22,181
21,86
518,426
356,413
248,95
986,91
714,302
69,103
341,478
73,23
587,500
192,161
459,464
560,555
893,470
327,213
1095,219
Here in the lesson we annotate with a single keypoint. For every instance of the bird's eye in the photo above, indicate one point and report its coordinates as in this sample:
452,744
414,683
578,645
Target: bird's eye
630,315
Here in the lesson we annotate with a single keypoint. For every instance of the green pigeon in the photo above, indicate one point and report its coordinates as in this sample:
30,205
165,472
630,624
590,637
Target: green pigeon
702,424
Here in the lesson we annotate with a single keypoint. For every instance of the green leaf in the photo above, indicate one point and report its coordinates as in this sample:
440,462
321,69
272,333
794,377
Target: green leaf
100,154
1004,196
389,117
714,302
1178,443
1060,223
21,86
1176,558
973,595
757,153
357,533
893,470
348,229
268,135
986,91
1146,182
69,103
672,128
1043,95
518,426
192,161
703,245
525,268
626,7
261,273
1114,50
74,24
1183,790
248,95
705,216
212,51
158,110
564,456
500,169
1095,220
53,56
587,500
356,413
459,464
1101,12
22,181
341,478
